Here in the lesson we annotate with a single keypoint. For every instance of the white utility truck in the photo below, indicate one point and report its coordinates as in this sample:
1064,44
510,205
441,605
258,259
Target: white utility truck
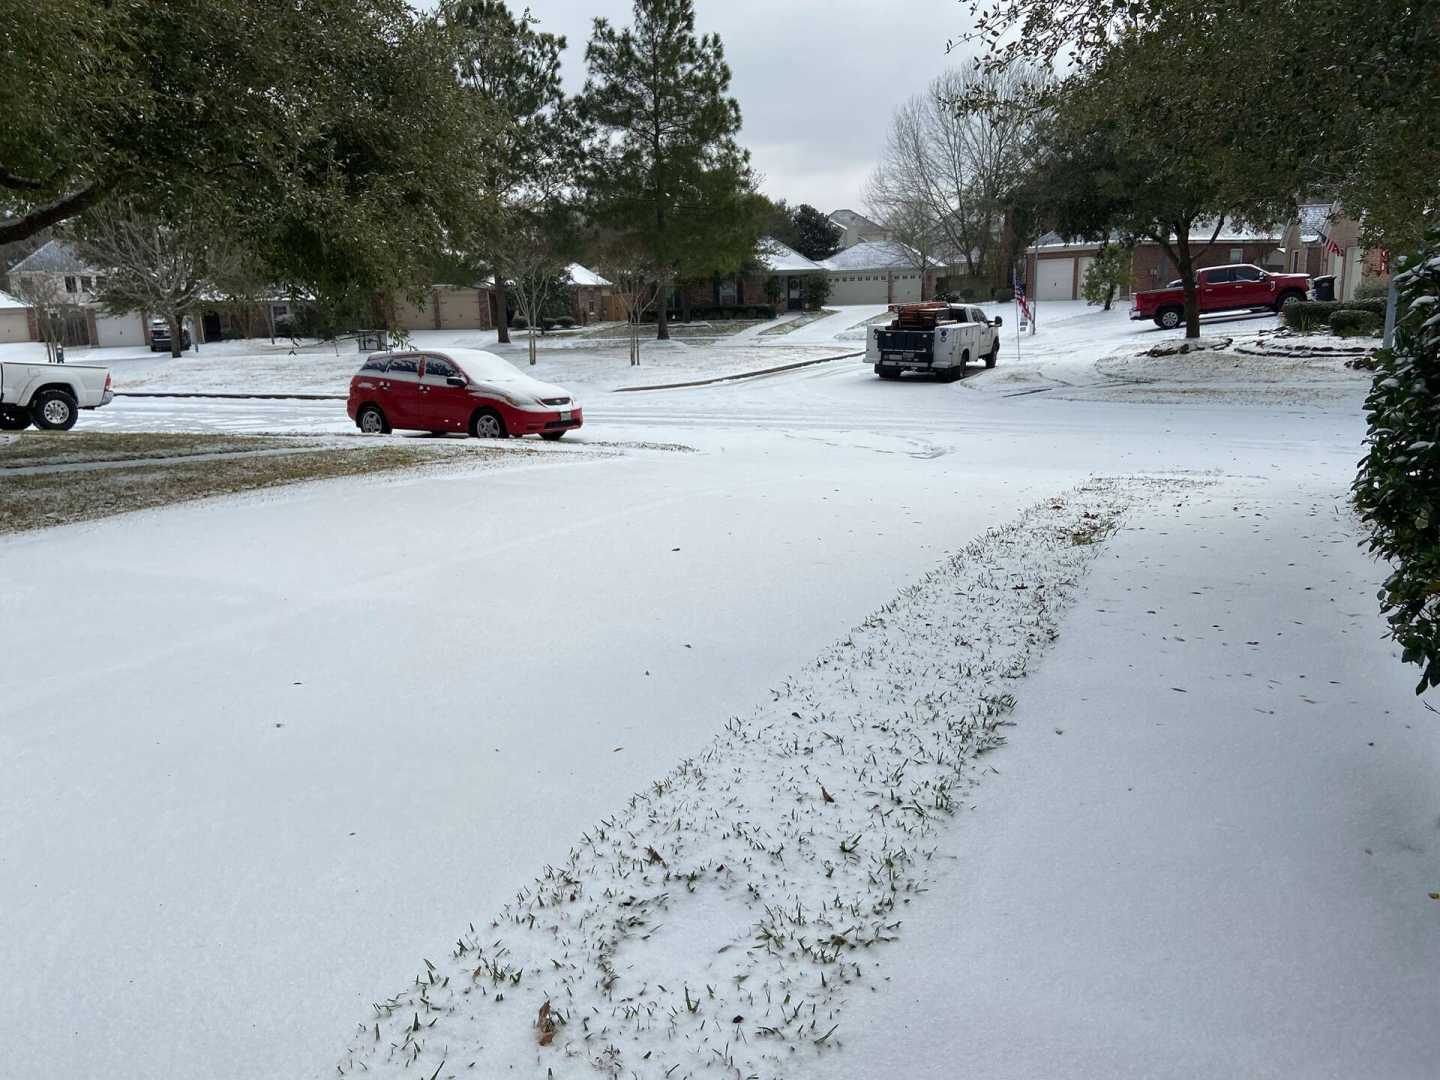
50,396
935,337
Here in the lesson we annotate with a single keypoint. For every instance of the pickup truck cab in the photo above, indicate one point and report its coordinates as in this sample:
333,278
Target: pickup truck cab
50,396
936,337
1238,287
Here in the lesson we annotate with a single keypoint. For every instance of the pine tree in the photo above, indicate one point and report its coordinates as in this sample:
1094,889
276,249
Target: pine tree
1107,274
816,236
668,172
532,146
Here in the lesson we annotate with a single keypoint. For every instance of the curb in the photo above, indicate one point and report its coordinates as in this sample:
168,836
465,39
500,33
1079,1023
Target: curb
737,377
227,397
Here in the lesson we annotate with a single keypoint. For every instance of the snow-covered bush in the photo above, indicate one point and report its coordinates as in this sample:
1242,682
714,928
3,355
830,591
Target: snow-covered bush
1398,488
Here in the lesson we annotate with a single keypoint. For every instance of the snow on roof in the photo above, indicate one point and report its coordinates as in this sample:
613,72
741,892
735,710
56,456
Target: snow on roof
846,218
1314,218
582,275
780,259
57,256
8,302
874,255
1200,232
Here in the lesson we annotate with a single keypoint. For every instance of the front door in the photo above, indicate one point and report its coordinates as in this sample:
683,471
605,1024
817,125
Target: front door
443,407
794,294
400,391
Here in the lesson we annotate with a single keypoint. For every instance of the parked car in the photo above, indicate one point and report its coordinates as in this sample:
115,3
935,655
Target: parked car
160,336
50,396
466,390
1238,287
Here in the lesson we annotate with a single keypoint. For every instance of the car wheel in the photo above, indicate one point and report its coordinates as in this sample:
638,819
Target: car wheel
371,421
487,424
993,355
54,410
13,419
552,436
1168,319
1286,300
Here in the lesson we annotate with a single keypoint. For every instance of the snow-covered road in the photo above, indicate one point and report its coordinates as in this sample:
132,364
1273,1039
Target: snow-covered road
258,756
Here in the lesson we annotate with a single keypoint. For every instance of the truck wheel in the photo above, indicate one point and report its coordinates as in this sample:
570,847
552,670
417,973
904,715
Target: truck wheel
887,373
993,355
1168,318
54,410
13,419
1289,298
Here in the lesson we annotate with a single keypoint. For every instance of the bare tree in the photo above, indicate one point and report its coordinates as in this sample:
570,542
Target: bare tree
953,155
916,234
634,279
537,263
240,280
45,294
147,265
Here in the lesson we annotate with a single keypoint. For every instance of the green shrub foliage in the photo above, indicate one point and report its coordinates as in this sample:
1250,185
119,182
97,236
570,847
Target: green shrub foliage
1398,488
1348,322
1306,315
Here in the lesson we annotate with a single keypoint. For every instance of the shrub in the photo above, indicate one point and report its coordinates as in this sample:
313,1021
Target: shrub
1374,307
1397,490
817,291
1372,290
1349,322
1308,315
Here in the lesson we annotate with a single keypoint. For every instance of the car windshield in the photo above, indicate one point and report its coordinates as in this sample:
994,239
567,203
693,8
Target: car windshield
479,364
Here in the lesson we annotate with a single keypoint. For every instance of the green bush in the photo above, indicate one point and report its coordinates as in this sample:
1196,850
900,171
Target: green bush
1307,315
1374,307
817,291
1348,322
1372,290
1397,490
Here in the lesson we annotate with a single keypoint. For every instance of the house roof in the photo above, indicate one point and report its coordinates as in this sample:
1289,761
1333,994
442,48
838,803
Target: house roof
1314,218
780,259
582,275
7,302
875,255
1199,233
57,256
846,218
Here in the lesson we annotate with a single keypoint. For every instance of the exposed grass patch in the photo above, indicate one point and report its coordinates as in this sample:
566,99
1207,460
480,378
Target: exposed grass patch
34,448
39,501
716,328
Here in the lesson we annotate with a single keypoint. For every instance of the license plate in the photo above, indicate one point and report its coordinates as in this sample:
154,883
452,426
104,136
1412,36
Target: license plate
564,414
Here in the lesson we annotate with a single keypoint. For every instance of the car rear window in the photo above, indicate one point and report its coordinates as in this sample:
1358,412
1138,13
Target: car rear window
375,363
403,364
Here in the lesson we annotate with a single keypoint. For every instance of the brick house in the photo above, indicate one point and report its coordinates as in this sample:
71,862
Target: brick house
55,270
774,262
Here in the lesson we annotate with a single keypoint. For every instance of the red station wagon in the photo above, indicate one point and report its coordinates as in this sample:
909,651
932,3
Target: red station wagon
444,390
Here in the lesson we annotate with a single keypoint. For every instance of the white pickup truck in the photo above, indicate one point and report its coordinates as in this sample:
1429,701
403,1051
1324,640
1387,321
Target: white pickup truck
50,396
935,337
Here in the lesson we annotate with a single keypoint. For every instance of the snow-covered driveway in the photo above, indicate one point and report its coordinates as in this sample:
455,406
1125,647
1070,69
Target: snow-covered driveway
259,756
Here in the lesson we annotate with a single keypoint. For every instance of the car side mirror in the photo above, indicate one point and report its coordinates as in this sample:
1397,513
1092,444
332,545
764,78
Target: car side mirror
456,381
998,321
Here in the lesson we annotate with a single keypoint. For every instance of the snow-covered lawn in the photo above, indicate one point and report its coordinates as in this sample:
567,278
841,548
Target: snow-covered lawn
262,757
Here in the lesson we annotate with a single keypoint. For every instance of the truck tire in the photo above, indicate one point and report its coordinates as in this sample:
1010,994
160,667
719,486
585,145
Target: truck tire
1169,318
1288,298
993,355
887,373
13,419
54,410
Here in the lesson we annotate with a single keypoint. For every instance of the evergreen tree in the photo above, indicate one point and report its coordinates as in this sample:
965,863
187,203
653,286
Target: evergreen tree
1107,274
668,172
816,236
530,147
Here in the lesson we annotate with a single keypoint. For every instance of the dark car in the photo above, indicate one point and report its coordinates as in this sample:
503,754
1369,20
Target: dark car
160,336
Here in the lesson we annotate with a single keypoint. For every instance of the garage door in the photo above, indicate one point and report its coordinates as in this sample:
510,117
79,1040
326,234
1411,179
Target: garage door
907,286
460,309
1055,279
13,325
858,288
119,329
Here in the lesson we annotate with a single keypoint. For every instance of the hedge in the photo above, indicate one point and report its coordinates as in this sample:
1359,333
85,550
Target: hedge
735,311
1349,322
1307,315
1397,490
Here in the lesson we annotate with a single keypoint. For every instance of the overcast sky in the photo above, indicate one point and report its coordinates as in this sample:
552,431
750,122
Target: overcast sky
817,80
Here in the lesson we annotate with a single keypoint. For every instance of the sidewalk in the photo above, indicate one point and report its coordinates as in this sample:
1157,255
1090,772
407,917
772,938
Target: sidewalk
1211,839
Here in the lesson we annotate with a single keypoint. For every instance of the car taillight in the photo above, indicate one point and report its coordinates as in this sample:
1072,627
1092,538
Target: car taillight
107,380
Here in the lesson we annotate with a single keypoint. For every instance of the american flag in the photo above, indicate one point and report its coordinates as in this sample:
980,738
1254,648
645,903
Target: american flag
1019,284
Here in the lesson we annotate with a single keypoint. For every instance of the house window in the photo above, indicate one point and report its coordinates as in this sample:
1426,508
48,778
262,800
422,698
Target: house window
1237,255
87,284
69,284
727,292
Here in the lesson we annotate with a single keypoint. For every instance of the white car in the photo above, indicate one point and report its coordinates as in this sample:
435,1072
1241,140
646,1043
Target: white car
50,396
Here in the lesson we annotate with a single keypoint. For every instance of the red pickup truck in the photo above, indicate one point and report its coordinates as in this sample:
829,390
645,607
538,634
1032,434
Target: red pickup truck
1221,288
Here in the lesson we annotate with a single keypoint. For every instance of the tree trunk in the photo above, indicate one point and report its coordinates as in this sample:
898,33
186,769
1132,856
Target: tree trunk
662,311
684,305
532,343
1187,281
175,331
1109,296
502,322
